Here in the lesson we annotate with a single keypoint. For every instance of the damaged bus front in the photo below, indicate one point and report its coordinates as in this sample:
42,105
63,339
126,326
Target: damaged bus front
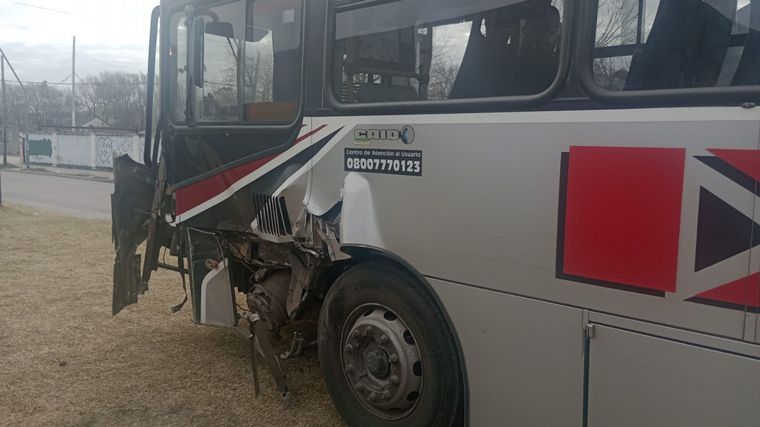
226,186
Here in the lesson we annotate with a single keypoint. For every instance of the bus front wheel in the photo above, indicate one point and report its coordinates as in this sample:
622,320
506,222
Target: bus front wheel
386,352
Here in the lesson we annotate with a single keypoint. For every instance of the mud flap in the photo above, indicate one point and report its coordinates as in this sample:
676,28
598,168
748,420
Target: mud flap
134,185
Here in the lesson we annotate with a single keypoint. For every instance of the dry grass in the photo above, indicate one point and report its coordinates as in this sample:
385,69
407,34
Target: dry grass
64,360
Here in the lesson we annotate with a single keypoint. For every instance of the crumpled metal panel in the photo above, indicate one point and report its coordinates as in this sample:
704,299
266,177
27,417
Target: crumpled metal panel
130,210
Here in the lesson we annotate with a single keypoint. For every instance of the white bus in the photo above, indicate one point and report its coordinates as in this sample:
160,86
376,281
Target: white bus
496,212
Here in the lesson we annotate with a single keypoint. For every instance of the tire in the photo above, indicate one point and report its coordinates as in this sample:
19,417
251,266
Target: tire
377,299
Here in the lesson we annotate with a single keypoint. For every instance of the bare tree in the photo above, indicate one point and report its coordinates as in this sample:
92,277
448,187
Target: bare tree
617,24
443,67
46,106
117,98
259,73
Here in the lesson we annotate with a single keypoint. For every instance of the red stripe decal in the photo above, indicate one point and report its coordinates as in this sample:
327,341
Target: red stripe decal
744,292
623,215
194,195
747,161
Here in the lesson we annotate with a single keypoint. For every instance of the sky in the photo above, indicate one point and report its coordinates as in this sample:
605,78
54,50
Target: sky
36,36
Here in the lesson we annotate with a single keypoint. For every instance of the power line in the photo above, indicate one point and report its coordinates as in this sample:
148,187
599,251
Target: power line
50,9
12,69
82,83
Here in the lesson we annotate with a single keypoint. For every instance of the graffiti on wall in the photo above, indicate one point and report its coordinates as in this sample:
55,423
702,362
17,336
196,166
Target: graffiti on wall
89,150
109,147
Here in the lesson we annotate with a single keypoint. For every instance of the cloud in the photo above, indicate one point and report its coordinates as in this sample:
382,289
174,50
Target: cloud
111,35
52,63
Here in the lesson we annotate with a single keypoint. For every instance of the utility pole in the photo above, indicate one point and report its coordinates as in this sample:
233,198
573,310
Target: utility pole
5,110
3,60
73,82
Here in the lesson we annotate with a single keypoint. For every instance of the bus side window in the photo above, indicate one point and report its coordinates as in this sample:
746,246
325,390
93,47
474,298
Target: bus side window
272,66
672,44
177,56
422,50
748,71
246,66
216,32
517,54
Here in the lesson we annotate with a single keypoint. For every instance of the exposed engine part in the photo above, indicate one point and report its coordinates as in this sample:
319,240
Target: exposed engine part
260,343
254,368
273,252
181,268
296,347
268,299
307,270
327,229
281,282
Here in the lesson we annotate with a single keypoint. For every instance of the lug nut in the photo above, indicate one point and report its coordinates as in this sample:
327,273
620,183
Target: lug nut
372,397
393,358
349,348
383,339
393,380
386,394
354,334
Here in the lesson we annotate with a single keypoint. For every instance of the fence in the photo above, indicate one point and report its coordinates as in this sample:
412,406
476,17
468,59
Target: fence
94,149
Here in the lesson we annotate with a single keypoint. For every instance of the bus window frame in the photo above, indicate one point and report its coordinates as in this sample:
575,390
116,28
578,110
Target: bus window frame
497,103
584,52
189,125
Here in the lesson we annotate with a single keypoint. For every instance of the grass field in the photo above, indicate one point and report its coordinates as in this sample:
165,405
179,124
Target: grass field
64,360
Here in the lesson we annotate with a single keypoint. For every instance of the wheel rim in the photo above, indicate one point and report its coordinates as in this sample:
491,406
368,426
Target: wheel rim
381,361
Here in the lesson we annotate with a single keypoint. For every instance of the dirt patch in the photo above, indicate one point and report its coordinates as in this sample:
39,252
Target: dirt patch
64,360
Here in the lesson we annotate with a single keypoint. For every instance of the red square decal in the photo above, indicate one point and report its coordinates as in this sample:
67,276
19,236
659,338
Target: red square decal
623,215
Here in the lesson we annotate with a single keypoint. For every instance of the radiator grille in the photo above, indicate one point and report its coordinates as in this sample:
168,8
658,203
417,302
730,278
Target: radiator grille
272,215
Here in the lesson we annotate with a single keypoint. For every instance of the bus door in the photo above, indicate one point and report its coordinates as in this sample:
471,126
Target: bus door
230,111
236,106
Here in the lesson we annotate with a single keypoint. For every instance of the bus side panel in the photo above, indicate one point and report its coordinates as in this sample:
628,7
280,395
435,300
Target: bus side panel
639,380
573,207
524,357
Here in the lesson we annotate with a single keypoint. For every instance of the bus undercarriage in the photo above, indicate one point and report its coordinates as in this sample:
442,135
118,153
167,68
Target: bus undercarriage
281,282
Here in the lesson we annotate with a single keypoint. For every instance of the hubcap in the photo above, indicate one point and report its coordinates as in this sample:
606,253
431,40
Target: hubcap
381,361
377,363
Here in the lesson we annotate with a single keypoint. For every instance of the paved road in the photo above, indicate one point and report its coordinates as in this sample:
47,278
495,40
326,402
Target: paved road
70,196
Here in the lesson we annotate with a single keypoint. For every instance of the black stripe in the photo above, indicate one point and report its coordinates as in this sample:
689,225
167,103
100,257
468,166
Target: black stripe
611,285
268,183
723,304
235,209
731,173
564,167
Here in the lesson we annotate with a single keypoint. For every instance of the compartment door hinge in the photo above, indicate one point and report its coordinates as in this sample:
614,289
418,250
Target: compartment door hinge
589,331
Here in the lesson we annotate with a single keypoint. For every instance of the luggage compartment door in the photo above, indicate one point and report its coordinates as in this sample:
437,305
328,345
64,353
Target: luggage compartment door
640,380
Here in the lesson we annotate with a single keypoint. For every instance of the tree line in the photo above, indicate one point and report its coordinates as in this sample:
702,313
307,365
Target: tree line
116,98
